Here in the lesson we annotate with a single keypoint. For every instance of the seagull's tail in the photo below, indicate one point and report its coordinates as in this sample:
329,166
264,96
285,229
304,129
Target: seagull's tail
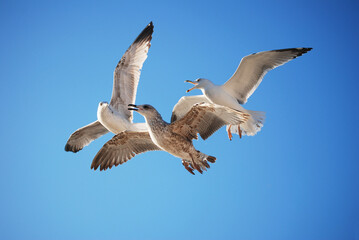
252,125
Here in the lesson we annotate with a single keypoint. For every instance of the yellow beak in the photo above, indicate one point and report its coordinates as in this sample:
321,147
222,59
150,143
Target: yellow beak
194,83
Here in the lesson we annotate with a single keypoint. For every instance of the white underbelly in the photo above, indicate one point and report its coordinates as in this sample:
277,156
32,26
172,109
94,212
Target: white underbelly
114,122
222,98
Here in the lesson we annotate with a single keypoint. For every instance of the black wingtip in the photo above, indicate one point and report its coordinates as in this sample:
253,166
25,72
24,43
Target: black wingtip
69,148
301,51
146,34
304,50
297,51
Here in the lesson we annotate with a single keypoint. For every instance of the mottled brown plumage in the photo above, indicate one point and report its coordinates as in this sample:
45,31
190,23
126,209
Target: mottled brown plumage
122,148
175,138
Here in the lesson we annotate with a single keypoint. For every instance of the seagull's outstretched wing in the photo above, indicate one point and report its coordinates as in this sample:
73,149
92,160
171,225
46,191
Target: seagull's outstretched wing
128,70
122,148
83,136
185,104
205,119
252,69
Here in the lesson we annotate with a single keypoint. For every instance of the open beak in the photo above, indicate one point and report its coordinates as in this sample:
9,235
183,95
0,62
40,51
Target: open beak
194,83
132,107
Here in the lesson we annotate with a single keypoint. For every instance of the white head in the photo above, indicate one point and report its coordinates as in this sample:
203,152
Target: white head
145,110
104,107
199,83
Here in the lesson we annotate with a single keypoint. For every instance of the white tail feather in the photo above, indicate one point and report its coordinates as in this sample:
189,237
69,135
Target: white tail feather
252,125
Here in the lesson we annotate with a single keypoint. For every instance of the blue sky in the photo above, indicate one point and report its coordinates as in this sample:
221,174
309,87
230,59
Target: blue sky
296,179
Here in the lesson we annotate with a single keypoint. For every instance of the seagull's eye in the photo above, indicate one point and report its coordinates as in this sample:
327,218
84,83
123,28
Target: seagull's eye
145,107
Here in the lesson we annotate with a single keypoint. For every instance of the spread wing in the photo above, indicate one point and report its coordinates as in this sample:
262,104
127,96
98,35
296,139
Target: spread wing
122,148
185,104
128,70
84,136
252,69
205,119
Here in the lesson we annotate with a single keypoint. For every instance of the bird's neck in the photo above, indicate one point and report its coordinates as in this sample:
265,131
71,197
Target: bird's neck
155,121
209,87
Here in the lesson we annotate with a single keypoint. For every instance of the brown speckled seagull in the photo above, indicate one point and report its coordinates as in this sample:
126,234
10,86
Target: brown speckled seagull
175,138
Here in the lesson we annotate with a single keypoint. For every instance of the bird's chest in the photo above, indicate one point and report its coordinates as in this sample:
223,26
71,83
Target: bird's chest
220,97
158,136
113,121
168,141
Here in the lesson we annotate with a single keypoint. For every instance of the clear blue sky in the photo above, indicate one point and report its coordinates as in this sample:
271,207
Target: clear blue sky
297,179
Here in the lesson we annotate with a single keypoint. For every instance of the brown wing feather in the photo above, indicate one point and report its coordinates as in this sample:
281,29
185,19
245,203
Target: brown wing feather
206,119
122,148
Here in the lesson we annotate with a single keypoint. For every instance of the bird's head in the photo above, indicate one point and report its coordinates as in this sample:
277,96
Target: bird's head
199,83
103,104
145,110
104,109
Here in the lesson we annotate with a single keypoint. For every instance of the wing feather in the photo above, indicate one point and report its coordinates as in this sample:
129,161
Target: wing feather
122,148
252,69
185,104
84,136
127,72
205,119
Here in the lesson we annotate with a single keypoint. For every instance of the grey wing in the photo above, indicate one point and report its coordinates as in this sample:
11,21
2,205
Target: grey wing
185,104
84,136
128,70
122,148
206,119
252,69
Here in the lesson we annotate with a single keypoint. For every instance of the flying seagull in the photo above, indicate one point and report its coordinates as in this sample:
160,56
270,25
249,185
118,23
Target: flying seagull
175,138
239,88
115,117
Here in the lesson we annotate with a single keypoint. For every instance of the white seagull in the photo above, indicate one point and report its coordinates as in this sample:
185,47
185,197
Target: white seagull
239,88
115,117
175,138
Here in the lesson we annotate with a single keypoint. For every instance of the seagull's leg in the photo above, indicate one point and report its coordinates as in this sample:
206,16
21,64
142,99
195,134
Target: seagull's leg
239,131
229,133
186,165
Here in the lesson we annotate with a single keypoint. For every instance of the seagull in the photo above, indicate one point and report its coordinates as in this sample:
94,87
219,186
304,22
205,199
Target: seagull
239,88
115,117
175,138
